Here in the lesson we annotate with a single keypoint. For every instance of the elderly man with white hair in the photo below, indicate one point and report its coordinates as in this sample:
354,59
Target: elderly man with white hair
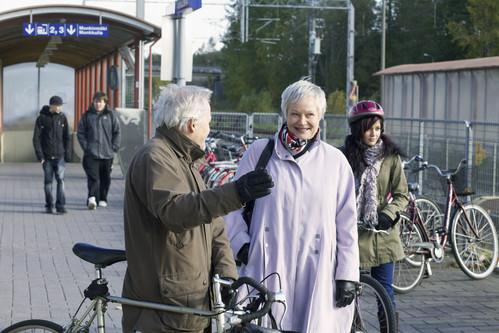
175,238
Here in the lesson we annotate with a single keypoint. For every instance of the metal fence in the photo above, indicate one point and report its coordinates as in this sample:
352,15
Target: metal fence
443,143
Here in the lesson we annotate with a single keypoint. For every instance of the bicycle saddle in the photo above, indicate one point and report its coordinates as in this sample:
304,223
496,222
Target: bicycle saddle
97,255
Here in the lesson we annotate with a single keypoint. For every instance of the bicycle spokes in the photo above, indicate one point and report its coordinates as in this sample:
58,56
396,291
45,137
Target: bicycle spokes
474,242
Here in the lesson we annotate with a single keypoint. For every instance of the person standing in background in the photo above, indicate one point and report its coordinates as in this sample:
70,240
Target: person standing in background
51,142
99,136
381,189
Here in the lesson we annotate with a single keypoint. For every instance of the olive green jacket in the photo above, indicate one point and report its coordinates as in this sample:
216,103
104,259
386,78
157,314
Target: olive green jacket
378,248
175,236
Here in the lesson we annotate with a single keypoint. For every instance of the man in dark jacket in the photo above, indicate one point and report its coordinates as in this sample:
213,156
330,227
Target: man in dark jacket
51,143
99,136
175,238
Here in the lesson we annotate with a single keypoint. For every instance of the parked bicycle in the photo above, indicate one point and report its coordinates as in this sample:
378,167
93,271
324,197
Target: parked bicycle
372,304
467,227
97,297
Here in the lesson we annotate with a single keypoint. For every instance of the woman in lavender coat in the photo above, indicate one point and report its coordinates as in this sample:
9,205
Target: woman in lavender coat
306,229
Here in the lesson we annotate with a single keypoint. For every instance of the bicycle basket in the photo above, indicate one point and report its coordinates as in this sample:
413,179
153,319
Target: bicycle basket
460,182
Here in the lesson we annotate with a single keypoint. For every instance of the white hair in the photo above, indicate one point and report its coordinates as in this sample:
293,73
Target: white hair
177,104
300,89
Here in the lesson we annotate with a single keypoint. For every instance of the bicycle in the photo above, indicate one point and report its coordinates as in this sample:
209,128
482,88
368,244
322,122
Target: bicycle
468,228
429,210
98,294
409,271
371,304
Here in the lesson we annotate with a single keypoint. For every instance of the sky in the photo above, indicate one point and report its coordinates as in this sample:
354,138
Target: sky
207,22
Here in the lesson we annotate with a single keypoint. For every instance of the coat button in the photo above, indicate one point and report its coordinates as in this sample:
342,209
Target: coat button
205,282
267,229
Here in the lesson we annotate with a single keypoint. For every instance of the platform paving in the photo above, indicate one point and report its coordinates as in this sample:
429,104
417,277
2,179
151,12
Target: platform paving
40,277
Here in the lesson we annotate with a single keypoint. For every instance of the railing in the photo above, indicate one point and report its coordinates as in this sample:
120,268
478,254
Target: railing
441,142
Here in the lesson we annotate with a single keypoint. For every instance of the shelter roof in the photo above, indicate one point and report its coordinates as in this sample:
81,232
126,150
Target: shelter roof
124,30
443,66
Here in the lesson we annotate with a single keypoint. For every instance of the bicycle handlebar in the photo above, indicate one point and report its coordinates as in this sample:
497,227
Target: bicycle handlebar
268,296
447,173
425,165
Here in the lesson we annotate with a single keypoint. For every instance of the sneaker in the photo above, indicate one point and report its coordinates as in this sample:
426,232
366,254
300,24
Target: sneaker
61,211
102,203
92,204
48,210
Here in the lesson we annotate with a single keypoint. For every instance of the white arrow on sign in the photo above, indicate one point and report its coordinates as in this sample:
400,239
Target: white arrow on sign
29,29
71,30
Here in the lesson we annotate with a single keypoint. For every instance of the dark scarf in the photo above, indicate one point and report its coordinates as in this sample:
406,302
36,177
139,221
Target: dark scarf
292,143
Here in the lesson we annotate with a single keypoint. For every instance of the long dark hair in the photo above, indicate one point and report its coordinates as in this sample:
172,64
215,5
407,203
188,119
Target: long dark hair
354,147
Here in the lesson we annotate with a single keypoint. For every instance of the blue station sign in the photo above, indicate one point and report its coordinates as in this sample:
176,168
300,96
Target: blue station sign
65,30
186,5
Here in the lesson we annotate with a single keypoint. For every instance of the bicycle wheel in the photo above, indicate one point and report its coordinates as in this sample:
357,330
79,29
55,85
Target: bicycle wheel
430,212
34,326
374,310
475,254
408,272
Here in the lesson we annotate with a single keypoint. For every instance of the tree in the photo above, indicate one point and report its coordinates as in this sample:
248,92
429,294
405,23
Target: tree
479,36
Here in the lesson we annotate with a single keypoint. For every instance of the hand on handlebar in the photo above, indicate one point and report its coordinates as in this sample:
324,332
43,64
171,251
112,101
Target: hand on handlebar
384,222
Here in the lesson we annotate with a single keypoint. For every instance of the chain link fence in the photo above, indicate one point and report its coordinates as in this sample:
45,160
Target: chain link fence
440,142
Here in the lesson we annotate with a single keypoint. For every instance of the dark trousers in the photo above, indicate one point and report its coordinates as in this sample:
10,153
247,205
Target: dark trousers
53,168
384,275
98,176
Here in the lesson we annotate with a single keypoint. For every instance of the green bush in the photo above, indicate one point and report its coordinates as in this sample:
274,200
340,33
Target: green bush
336,102
255,102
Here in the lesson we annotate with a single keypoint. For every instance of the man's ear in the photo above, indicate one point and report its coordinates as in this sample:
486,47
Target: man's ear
191,126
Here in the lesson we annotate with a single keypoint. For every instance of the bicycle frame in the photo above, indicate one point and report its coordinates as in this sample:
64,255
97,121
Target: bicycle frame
98,306
453,207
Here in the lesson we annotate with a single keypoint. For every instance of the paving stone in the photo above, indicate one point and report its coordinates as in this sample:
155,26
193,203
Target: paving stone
42,278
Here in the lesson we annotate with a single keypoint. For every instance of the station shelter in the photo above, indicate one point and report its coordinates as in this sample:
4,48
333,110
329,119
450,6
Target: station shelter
35,66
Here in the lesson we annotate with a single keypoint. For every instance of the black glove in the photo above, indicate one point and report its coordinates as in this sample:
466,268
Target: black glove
253,185
384,222
242,255
67,158
345,292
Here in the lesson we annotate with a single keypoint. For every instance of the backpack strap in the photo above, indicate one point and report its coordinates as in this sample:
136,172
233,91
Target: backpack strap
261,164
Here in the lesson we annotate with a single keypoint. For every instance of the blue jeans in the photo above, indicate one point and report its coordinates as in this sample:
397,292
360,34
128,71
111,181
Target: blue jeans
384,275
53,168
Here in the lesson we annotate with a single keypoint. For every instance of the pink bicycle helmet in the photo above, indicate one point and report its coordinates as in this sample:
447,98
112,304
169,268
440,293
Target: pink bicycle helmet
365,108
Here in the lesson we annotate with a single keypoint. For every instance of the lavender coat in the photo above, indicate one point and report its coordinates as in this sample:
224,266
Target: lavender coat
305,230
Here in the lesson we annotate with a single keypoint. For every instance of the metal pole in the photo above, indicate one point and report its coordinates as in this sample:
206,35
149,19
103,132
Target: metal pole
421,153
140,13
149,122
38,90
311,39
469,155
383,46
350,52
180,39
242,17
494,173
383,33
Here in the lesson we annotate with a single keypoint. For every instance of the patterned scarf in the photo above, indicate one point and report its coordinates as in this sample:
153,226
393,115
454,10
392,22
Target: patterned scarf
290,141
366,188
